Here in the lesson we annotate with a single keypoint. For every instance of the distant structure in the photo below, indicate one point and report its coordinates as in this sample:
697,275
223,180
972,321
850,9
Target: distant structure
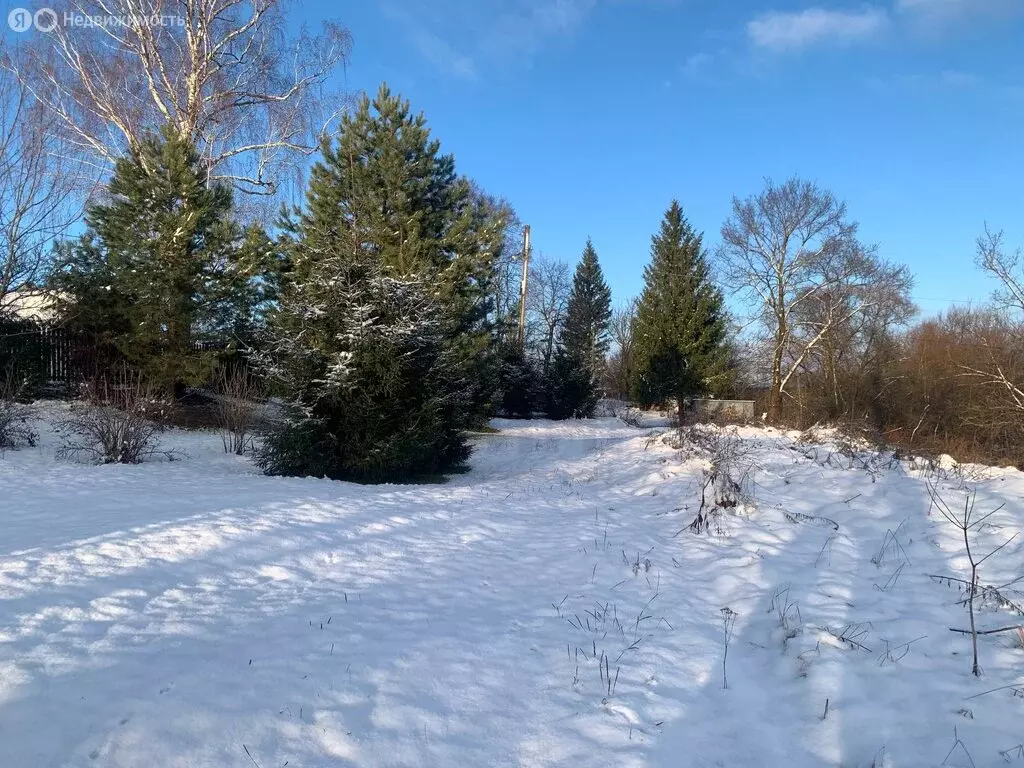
722,410
26,303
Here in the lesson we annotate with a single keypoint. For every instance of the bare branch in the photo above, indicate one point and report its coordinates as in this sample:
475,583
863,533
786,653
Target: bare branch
795,255
224,73
37,185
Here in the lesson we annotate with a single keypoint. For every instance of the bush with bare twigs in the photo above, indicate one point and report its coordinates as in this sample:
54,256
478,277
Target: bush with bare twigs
239,395
726,483
632,416
15,427
114,424
849,446
15,417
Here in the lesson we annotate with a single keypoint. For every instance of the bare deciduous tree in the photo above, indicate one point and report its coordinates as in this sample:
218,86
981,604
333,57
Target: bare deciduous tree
508,262
1005,266
998,369
619,368
547,299
36,188
225,73
850,354
793,251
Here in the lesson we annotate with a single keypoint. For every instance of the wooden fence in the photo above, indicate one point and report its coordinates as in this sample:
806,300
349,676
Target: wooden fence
47,355
54,358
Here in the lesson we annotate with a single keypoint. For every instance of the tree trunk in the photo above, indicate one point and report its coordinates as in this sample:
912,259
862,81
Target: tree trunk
775,393
774,403
549,349
781,336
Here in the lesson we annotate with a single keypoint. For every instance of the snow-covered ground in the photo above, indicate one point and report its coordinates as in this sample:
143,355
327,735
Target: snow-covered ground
198,615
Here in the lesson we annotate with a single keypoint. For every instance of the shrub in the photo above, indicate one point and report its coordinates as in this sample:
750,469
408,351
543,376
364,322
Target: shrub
727,483
114,424
15,429
239,395
634,417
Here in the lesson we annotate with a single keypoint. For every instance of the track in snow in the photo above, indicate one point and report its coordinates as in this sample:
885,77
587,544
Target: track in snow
196,614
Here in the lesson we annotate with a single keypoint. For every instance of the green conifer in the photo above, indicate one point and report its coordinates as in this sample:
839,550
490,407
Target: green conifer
680,335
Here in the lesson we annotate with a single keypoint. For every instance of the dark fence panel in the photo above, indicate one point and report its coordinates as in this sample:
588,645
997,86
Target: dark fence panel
54,359
44,356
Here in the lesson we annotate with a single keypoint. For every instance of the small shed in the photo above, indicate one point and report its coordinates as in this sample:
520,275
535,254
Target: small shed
722,410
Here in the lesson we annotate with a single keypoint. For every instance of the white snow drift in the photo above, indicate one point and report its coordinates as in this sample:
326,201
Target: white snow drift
548,608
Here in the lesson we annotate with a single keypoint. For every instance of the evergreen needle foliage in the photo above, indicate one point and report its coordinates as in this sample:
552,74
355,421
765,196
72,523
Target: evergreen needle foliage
680,336
382,339
574,378
518,380
161,265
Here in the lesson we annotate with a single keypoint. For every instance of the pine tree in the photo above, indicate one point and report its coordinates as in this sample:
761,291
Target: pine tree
383,318
575,376
158,267
362,357
386,179
680,337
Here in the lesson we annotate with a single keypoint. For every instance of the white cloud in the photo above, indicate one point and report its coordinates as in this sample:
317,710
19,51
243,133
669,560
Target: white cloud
443,56
466,38
696,64
784,31
523,28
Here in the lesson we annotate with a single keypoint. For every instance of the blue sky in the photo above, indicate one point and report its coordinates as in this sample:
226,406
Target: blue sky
591,115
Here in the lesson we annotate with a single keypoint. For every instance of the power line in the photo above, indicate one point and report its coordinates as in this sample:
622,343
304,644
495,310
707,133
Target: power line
950,301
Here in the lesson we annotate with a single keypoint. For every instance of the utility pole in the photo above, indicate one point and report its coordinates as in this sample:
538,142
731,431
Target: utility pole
522,287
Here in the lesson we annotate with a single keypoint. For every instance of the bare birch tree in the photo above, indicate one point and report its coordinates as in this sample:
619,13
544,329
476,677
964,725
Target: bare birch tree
788,248
508,263
225,73
37,184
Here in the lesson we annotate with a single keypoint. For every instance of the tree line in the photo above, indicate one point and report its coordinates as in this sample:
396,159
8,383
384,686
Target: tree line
381,309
